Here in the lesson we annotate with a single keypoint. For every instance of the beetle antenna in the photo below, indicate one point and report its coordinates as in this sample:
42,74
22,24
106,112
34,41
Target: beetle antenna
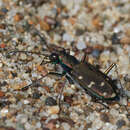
45,60
17,51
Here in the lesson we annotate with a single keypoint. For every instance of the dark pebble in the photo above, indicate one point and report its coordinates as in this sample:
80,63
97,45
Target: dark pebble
2,26
45,128
50,101
79,32
4,83
37,95
14,74
104,117
120,123
68,99
67,120
88,125
128,116
4,10
36,2
127,78
49,20
6,128
4,103
96,53
88,50
88,110
115,39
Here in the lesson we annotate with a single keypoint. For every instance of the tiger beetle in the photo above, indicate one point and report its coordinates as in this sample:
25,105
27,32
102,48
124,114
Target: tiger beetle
95,83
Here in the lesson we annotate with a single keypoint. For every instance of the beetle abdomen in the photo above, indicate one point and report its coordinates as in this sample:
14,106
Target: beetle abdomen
93,81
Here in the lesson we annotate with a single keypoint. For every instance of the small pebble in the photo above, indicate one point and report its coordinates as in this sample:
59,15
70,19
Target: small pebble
53,110
3,112
97,22
96,53
49,20
114,112
79,32
123,101
68,99
4,103
44,25
28,126
23,56
4,83
22,118
38,125
104,117
50,101
26,102
4,10
37,95
2,26
127,32
14,74
1,94
18,17
120,123
81,45
115,39
88,50
66,126
67,37
125,40
6,128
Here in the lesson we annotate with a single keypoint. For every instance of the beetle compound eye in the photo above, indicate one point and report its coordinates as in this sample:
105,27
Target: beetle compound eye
54,57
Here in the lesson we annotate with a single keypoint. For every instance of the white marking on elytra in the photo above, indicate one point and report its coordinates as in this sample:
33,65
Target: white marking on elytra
80,77
113,95
104,94
91,84
102,84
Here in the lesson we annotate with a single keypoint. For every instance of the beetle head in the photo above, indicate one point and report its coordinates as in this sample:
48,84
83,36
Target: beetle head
54,58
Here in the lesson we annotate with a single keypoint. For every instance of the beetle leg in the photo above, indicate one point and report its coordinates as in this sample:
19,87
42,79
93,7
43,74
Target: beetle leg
50,73
97,67
27,86
109,69
84,58
57,74
106,106
100,102
69,79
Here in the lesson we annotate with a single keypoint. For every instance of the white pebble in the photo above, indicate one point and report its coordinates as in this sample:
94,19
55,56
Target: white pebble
66,126
3,112
114,112
68,3
23,56
57,37
67,37
109,126
1,65
38,125
28,126
123,101
72,53
26,102
81,45
53,109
